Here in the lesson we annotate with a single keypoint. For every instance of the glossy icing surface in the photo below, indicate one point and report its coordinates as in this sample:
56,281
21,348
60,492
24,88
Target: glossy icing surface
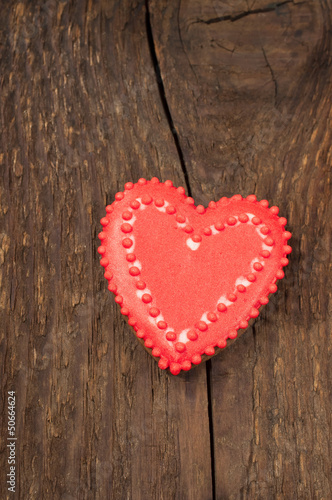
189,278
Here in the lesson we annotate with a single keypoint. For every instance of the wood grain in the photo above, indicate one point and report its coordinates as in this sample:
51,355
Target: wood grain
221,97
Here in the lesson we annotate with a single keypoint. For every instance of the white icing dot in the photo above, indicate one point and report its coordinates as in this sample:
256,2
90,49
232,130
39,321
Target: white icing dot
154,321
193,245
137,264
266,247
140,293
204,318
183,336
225,301
242,281
163,208
182,224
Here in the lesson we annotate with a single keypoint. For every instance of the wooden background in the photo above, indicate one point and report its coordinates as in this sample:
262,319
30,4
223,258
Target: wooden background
222,97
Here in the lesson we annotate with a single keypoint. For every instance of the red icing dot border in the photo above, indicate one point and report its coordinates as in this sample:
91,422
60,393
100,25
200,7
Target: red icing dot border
127,230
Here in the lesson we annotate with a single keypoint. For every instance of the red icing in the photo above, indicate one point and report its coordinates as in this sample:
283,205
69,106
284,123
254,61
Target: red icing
189,277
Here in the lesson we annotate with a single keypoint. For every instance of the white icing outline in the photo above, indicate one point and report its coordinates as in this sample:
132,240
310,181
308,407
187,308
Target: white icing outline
182,336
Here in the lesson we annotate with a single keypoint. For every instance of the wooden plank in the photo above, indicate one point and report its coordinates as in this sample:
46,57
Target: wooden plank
81,114
249,89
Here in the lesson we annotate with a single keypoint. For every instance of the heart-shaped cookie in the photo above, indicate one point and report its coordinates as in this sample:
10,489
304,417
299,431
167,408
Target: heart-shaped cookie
189,278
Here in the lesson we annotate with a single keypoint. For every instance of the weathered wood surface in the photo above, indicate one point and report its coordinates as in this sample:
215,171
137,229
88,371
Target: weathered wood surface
221,97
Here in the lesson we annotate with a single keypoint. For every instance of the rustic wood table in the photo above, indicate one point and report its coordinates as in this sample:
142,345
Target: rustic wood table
222,98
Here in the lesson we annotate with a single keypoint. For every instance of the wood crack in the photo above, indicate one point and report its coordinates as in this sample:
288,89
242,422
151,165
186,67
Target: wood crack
211,430
272,76
163,98
229,17
251,462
